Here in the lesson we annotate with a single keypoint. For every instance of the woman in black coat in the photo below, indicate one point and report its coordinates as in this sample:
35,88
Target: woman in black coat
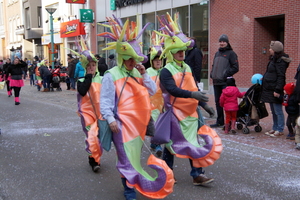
16,82
272,86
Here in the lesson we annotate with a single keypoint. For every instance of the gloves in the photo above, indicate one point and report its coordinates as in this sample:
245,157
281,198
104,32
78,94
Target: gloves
199,96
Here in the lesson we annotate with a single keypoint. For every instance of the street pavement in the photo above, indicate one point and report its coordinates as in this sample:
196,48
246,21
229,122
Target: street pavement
42,156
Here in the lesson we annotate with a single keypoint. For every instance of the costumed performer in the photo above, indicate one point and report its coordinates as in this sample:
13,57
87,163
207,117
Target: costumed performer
157,100
16,82
88,98
125,104
188,132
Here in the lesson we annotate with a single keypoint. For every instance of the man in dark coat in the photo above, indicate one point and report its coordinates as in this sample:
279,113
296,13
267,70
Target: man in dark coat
102,66
71,70
225,65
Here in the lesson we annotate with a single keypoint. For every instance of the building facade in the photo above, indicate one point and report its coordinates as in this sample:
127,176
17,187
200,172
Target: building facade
251,25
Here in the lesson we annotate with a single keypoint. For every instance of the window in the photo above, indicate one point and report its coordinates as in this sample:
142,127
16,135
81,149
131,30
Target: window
27,18
39,15
150,17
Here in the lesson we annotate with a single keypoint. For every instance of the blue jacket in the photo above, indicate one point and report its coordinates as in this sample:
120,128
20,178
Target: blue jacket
79,71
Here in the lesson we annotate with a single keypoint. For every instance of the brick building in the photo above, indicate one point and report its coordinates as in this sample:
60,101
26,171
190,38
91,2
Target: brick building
250,26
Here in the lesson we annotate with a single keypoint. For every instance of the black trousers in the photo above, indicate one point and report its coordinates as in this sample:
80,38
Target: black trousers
218,91
291,123
16,91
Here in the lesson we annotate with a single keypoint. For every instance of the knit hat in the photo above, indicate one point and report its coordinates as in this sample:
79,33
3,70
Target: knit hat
112,56
289,88
276,46
224,38
230,81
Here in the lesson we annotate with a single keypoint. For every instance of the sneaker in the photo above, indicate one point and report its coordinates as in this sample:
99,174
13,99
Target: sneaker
276,134
270,132
216,125
298,146
202,180
96,168
290,136
17,103
232,131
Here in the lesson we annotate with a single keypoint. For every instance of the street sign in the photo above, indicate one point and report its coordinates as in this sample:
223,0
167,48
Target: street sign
86,16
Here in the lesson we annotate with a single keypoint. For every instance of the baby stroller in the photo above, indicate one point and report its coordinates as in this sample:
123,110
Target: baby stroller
251,110
55,81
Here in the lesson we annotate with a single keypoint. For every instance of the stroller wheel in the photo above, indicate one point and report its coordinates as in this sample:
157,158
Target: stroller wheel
246,130
239,126
258,128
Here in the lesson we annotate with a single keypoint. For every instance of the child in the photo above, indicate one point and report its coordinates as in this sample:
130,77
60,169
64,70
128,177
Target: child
291,108
229,101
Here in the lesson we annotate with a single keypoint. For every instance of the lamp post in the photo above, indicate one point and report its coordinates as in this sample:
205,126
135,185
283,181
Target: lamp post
51,11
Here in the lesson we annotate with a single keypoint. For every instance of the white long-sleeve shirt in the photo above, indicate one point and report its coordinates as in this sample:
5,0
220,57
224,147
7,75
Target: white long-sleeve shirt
107,96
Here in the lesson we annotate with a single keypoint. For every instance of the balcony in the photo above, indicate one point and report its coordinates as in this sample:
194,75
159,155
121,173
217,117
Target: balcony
20,30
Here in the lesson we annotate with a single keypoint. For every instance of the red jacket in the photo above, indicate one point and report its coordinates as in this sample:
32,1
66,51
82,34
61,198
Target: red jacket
229,98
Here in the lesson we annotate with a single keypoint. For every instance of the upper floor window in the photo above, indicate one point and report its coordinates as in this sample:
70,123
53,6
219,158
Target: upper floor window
27,18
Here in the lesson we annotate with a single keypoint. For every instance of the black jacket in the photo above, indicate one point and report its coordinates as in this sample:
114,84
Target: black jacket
102,67
274,79
6,66
16,69
292,108
193,58
44,71
225,64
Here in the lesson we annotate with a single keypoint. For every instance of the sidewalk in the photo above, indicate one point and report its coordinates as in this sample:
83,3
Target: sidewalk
68,99
279,144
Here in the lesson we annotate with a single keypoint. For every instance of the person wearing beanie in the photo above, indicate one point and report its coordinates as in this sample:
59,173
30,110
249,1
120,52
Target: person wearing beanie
225,64
229,101
291,108
272,86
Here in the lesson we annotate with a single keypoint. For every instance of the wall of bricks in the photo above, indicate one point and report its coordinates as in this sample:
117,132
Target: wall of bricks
249,29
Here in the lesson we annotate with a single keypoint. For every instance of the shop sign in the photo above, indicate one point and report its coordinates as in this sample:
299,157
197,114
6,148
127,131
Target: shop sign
124,3
76,1
86,15
71,29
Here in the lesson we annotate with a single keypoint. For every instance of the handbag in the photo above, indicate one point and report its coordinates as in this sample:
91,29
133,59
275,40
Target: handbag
163,124
104,131
2,85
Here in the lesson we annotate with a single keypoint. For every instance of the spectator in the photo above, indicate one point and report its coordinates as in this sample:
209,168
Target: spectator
229,101
102,67
79,71
193,58
45,74
225,65
272,86
112,61
71,71
31,72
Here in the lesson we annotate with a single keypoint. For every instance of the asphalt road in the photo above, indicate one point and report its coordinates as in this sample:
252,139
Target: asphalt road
42,156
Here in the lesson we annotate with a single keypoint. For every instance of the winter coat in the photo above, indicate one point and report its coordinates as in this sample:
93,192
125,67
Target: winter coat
229,98
102,67
44,71
71,67
16,69
193,58
79,71
274,79
225,64
292,108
